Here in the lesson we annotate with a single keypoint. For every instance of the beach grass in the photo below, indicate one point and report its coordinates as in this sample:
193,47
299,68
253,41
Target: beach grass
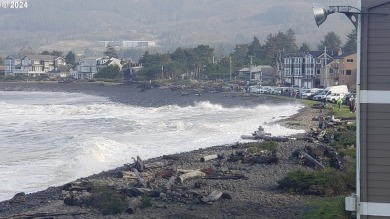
328,208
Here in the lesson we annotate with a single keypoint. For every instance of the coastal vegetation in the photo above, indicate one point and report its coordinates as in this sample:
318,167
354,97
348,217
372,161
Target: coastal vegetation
328,208
108,201
329,182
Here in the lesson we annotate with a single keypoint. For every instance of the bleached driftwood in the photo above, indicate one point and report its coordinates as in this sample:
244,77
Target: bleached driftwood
170,182
186,171
141,180
48,215
213,196
129,175
155,165
190,175
133,175
208,157
307,156
139,164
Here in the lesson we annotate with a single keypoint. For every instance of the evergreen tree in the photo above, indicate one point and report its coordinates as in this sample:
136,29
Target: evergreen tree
255,50
110,52
111,71
45,52
331,41
351,45
240,55
70,58
275,43
304,48
291,41
1,61
56,53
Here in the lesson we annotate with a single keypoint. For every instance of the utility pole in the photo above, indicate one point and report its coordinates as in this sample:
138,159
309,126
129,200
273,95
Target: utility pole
326,69
162,72
230,67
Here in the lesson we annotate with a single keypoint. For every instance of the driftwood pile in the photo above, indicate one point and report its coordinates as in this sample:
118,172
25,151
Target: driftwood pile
318,156
260,134
166,183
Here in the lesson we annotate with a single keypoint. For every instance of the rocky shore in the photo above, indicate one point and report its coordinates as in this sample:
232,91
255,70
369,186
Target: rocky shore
254,195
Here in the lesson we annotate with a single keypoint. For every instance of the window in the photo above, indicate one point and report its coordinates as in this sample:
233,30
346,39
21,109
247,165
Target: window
348,72
331,71
318,71
349,60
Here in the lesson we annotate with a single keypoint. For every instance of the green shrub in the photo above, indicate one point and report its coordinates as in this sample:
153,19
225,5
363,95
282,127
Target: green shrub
328,182
269,145
300,181
351,127
146,201
108,201
351,152
256,147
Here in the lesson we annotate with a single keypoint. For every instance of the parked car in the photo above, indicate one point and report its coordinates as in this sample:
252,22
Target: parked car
334,97
258,89
311,97
306,93
322,95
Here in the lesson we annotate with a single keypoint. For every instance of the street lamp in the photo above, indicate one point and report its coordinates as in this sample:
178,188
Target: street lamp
320,14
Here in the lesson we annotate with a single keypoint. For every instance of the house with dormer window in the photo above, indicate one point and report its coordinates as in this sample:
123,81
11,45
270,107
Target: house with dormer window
304,69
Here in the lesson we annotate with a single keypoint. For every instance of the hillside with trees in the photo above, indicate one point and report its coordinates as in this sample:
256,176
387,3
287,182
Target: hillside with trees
173,23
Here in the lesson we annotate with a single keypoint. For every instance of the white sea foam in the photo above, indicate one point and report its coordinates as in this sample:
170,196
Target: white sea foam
47,139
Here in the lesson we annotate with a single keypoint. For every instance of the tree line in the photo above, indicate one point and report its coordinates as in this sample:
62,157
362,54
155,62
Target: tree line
200,62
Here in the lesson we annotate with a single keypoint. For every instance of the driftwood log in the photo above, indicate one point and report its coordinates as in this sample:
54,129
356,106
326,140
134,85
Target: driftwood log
141,180
46,215
139,164
208,157
310,158
226,176
171,157
266,138
213,196
156,165
170,182
191,175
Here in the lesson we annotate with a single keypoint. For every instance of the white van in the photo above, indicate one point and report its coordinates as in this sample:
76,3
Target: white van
338,89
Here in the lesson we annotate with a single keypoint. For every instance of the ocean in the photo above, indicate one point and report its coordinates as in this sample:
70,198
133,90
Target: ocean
51,138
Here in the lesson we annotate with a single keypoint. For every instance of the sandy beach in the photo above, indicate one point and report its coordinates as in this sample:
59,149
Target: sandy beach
253,197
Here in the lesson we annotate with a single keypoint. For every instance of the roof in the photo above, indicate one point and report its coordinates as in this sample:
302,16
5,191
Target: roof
40,57
19,56
315,54
344,55
96,58
259,68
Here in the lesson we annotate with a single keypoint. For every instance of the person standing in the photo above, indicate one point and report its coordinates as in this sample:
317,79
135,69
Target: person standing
351,105
339,103
320,122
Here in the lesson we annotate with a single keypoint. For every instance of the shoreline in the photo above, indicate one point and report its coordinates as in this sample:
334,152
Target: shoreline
245,200
131,94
